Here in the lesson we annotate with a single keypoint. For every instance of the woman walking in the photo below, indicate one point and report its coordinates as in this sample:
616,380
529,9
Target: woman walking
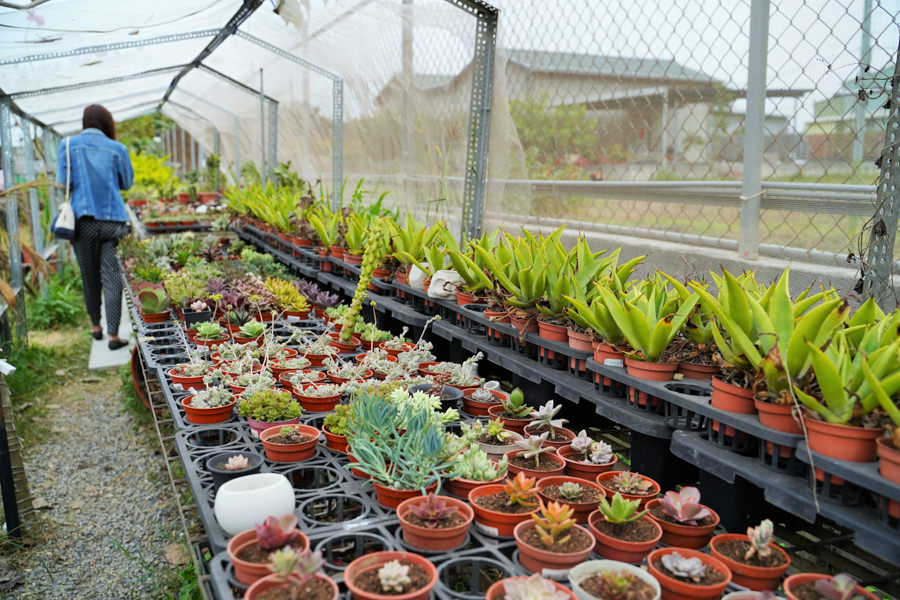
100,167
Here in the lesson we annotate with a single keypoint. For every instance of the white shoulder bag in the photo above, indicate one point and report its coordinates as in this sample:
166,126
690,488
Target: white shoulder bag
63,225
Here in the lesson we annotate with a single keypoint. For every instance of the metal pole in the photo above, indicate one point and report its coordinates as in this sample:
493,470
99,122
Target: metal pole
190,157
182,154
273,141
262,129
407,84
751,190
237,151
337,142
865,53
664,134
16,275
37,233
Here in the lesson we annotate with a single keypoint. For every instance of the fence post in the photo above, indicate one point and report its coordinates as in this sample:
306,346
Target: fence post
37,228
337,141
751,188
865,55
16,275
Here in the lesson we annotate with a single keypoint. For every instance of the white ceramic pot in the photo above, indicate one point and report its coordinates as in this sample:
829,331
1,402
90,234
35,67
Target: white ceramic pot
245,502
589,568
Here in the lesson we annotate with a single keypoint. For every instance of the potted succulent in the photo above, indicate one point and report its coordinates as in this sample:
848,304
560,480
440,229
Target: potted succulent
295,379
500,507
528,588
154,302
582,496
209,334
250,551
289,443
605,579
474,469
632,486
289,364
341,372
317,350
623,533
209,405
319,397
293,303
235,318
251,380
816,585
477,402
336,427
494,438
552,540
228,465
513,411
545,422
197,312
527,458
189,375
268,408
754,560
685,522
251,331
434,523
586,458
295,575
685,574
390,576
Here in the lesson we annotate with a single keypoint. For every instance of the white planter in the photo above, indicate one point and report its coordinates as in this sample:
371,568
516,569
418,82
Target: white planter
590,568
245,502
496,451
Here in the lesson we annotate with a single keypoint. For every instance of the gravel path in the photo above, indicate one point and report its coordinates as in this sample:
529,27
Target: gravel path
111,514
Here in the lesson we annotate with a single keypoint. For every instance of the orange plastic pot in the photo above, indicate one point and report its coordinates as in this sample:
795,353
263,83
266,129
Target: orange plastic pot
435,539
777,417
336,442
480,409
186,381
582,509
273,581
673,589
583,470
460,487
622,550
538,560
376,560
801,578
510,423
693,371
856,444
755,578
491,522
316,403
648,371
405,347
367,374
248,572
497,591
160,317
344,347
206,416
564,436
579,341
552,332
391,498
889,467
290,452
732,398
602,478
536,474
684,536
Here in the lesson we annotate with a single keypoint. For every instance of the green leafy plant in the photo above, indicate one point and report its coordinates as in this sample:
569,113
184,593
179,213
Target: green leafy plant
252,329
620,510
152,298
515,404
271,406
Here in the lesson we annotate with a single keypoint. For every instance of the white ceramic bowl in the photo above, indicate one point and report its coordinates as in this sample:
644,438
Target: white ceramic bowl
589,568
246,501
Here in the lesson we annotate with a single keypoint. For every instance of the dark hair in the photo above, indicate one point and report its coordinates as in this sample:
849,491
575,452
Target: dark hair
99,118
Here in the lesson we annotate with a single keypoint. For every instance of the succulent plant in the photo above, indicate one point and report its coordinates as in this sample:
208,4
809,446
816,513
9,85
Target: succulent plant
496,432
839,587
283,562
614,585
760,539
533,588
237,317
684,505
601,453
275,533
482,395
520,490
252,329
554,520
515,404
394,577
238,462
629,482
582,442
620,510
533,447
336,422
475,465
152,297
287,294
434,510
271,405
570,491
544,418
211,397
687,568
208,330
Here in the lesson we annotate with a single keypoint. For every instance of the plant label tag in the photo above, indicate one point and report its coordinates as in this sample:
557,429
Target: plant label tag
613,362
486,529
558,574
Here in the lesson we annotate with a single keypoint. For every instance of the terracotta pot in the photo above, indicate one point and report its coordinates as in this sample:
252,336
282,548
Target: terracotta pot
856,444
491,522
403,275
732,398
274,581
391,498
552,332
693,371
259,426
583,470
290,452
315,403
338,251
564,436
673,589
352,259
362,356
497,591
648,371
344,347
161,317
514,470
616,549
206,416
579,341
538,560
298,314
460,487
801,578
754,578
316,360
889,466
248,572
604,477
286,382
509,423
185,381
376,560
336,442
604,352
463,298
777,417
582,509
367,374
496,316
684,536
435,539
239,339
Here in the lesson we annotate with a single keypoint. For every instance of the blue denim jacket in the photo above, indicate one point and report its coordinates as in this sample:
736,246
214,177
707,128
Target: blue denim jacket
100,168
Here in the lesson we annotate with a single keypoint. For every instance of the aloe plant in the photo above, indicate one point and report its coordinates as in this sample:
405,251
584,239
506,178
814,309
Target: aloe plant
516,266
326,223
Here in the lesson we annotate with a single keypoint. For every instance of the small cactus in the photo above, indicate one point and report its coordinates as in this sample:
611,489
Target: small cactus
394,577
237,462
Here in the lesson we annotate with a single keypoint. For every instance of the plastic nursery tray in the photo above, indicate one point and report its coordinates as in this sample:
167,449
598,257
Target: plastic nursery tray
790,493
840,474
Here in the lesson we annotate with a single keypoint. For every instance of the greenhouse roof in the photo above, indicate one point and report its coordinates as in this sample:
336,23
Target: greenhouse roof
604,66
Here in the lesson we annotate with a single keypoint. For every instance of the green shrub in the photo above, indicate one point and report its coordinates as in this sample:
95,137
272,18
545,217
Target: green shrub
63,304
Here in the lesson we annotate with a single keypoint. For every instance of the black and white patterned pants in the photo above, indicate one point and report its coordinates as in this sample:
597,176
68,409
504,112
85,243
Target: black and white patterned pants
95,248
